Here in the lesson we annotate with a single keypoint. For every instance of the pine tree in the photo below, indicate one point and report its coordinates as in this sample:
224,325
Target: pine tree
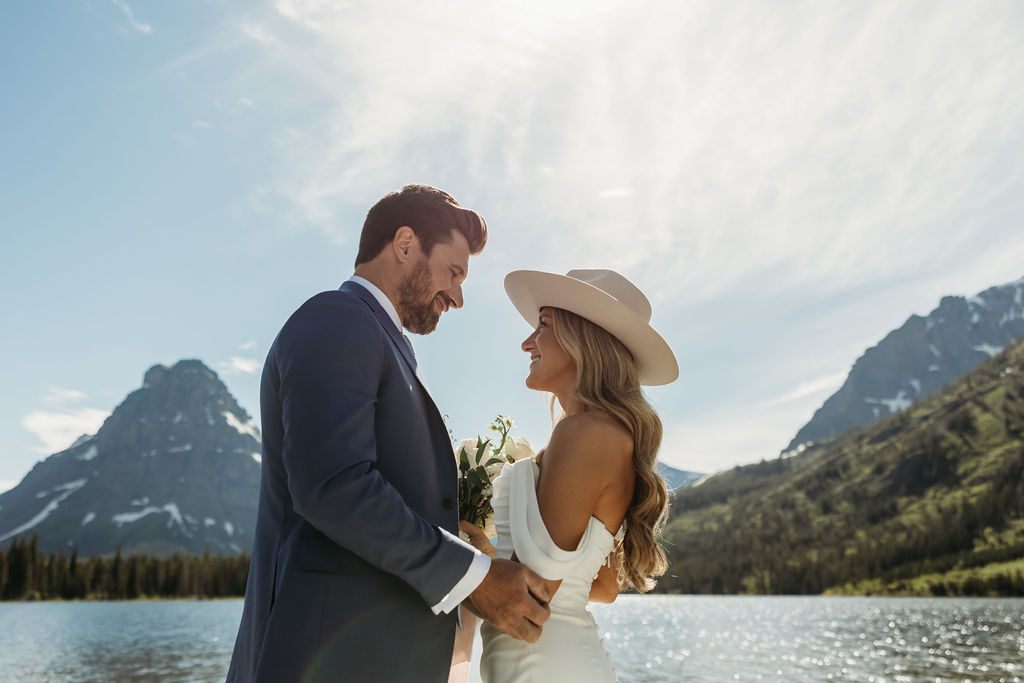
17,571
118,577
3,572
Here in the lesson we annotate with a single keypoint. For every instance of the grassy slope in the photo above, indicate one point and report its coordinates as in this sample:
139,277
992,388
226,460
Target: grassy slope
910,503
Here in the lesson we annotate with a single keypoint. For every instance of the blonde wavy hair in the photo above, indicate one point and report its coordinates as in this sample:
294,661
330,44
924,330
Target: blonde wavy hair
606,380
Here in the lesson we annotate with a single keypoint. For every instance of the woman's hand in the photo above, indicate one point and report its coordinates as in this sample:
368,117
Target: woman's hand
477,538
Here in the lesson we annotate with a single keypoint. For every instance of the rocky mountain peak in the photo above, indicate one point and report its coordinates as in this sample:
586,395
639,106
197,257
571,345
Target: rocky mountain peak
919,358
174,468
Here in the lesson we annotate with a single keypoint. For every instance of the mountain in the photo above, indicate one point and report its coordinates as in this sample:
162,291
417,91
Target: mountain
919,358
175,468
929,501
676,479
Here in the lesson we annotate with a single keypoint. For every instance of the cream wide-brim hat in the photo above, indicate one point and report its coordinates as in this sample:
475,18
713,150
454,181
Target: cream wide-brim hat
605,298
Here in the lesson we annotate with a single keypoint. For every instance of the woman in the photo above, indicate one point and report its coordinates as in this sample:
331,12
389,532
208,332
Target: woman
584,514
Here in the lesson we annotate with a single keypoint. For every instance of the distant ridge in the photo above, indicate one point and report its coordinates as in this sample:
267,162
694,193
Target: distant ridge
175,468
676,479
919,358
928,501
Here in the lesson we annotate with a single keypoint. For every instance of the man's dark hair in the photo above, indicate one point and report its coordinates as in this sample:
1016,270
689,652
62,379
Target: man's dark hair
431,213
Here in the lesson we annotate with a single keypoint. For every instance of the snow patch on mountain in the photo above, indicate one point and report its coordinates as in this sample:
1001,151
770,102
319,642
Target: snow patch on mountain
242,427
989,349
129,517
174,516
895,404
68,489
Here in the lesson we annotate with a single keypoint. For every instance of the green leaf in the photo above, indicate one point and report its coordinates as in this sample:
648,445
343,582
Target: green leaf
478,476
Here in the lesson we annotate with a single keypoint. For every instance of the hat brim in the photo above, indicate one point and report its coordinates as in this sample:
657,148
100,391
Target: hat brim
530,290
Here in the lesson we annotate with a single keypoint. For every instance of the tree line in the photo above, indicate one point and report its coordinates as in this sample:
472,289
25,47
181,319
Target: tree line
793,543
27,573
906,497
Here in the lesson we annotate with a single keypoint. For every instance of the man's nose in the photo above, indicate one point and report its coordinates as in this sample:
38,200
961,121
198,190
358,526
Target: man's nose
455,295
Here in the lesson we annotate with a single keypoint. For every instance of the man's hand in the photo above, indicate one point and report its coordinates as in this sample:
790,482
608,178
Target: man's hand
514,599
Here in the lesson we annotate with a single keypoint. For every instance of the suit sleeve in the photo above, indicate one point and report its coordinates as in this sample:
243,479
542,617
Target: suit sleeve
330,364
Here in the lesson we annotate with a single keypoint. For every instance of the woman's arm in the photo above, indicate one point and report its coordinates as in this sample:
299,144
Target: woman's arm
587,470
606,586
477,538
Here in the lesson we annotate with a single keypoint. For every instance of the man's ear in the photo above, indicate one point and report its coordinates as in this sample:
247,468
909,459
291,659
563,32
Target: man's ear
402,243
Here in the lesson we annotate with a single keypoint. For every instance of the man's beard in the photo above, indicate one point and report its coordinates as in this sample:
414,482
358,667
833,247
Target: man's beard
418,312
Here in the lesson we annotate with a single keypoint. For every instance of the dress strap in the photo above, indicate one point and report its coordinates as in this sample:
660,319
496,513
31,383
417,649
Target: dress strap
530,538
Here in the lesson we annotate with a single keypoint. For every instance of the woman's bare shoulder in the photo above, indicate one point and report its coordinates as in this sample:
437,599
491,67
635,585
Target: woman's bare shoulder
591,435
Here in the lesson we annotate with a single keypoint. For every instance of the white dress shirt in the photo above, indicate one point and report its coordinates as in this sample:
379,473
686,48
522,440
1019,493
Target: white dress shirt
481,563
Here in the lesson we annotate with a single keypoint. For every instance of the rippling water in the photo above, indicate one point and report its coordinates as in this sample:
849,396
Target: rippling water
651,638
670,638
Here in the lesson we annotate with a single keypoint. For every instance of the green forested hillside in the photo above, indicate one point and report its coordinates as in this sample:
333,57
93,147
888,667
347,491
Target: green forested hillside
927,501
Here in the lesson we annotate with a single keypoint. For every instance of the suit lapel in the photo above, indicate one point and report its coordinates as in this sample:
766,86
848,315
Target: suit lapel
397,338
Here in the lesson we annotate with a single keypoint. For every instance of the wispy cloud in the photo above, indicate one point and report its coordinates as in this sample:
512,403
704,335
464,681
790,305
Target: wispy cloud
139,26
616,192
248,346
60,396
722,155
202,124
56,430
257,32
812,387
237,365
787,144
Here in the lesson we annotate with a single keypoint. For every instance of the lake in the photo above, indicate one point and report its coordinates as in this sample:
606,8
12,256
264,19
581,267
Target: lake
651,638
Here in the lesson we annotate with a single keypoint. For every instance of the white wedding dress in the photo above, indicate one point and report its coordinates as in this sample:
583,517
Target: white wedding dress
569,649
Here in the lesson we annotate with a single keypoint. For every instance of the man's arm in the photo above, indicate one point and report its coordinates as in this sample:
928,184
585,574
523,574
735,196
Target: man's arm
330,362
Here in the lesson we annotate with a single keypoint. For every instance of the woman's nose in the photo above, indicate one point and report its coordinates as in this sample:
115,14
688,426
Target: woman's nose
528,344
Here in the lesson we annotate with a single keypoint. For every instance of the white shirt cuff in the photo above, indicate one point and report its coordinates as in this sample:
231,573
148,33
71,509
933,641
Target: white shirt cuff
473,577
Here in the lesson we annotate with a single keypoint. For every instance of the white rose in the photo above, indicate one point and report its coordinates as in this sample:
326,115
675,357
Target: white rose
517,448
471,446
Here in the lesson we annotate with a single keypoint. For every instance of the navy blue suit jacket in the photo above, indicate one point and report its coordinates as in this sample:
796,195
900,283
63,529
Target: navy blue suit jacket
358,479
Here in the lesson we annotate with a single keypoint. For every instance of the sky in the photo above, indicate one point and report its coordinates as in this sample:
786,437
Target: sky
787,182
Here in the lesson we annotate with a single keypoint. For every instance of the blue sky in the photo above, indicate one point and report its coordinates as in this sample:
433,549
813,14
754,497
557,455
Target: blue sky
787,181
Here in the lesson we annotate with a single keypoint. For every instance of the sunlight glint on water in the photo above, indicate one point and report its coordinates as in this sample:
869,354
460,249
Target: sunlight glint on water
651,638
794,638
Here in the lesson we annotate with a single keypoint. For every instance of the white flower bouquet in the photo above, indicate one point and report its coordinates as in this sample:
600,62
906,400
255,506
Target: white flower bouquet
480,462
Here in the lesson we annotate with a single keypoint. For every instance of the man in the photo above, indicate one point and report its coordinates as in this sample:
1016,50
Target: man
357,568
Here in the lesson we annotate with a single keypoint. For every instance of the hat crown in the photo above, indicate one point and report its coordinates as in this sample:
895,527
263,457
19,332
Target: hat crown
616,286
